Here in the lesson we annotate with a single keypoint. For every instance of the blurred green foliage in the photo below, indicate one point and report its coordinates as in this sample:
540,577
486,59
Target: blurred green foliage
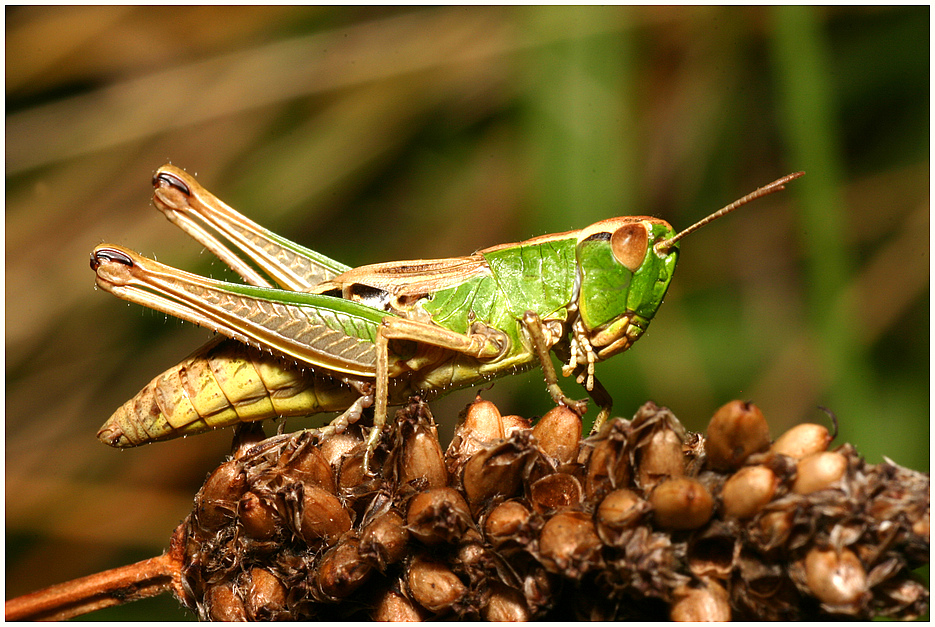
373,134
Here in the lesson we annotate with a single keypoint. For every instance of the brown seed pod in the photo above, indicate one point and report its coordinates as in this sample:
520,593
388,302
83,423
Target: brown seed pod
342,570
497,470
351,472
607,467
433,585
558,433
704,601
568,543
513,423
265,596
505,604
308,465
217,505
259,519
555,492
748,491
818,471
421,457
772,529
385,539
393,607
736,431
473,560
802,440
661,458
835,577
337,447
619,510
482,425
222,604
246,436
505,522
323,518
438,515
681,503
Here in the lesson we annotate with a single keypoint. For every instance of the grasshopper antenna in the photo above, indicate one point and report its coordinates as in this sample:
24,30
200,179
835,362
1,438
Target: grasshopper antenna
775,186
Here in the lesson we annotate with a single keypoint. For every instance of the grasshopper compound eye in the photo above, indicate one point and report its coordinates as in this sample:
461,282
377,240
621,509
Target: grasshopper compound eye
629,244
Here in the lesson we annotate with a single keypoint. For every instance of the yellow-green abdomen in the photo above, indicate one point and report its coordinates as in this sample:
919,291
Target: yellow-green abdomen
223,383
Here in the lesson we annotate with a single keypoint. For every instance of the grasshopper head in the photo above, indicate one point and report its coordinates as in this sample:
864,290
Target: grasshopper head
623,277
624,269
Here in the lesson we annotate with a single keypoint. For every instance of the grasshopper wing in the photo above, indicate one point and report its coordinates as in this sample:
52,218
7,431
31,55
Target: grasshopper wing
209,220
320,330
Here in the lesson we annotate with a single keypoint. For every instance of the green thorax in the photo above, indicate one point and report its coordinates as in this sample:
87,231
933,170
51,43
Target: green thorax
537,277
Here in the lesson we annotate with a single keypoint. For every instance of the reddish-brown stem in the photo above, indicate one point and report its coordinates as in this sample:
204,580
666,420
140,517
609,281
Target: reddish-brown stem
87,594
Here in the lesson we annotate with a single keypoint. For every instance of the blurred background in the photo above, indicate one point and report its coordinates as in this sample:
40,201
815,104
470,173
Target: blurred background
377,134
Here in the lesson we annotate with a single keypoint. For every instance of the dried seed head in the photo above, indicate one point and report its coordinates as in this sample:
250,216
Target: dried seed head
439,515
217,505
748,491
836,578
818,471
505,604
619,509
265,597
222,604
597,558
802,440
342,570
433,585
555,492
505,522
385,539
568,543
736,431
661,458
393,607
707,601
681,503
323,518
558,433
259,519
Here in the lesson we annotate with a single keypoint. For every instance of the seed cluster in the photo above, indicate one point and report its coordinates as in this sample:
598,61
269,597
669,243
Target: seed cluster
516,522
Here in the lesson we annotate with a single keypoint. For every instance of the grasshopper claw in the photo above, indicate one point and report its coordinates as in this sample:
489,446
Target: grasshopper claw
350,416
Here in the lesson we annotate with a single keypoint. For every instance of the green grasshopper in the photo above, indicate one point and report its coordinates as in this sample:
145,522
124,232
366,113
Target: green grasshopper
335,338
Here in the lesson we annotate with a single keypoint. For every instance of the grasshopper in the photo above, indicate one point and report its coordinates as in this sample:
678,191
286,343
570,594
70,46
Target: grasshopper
308,334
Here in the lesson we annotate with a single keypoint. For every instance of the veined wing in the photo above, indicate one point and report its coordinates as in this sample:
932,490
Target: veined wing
318,329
